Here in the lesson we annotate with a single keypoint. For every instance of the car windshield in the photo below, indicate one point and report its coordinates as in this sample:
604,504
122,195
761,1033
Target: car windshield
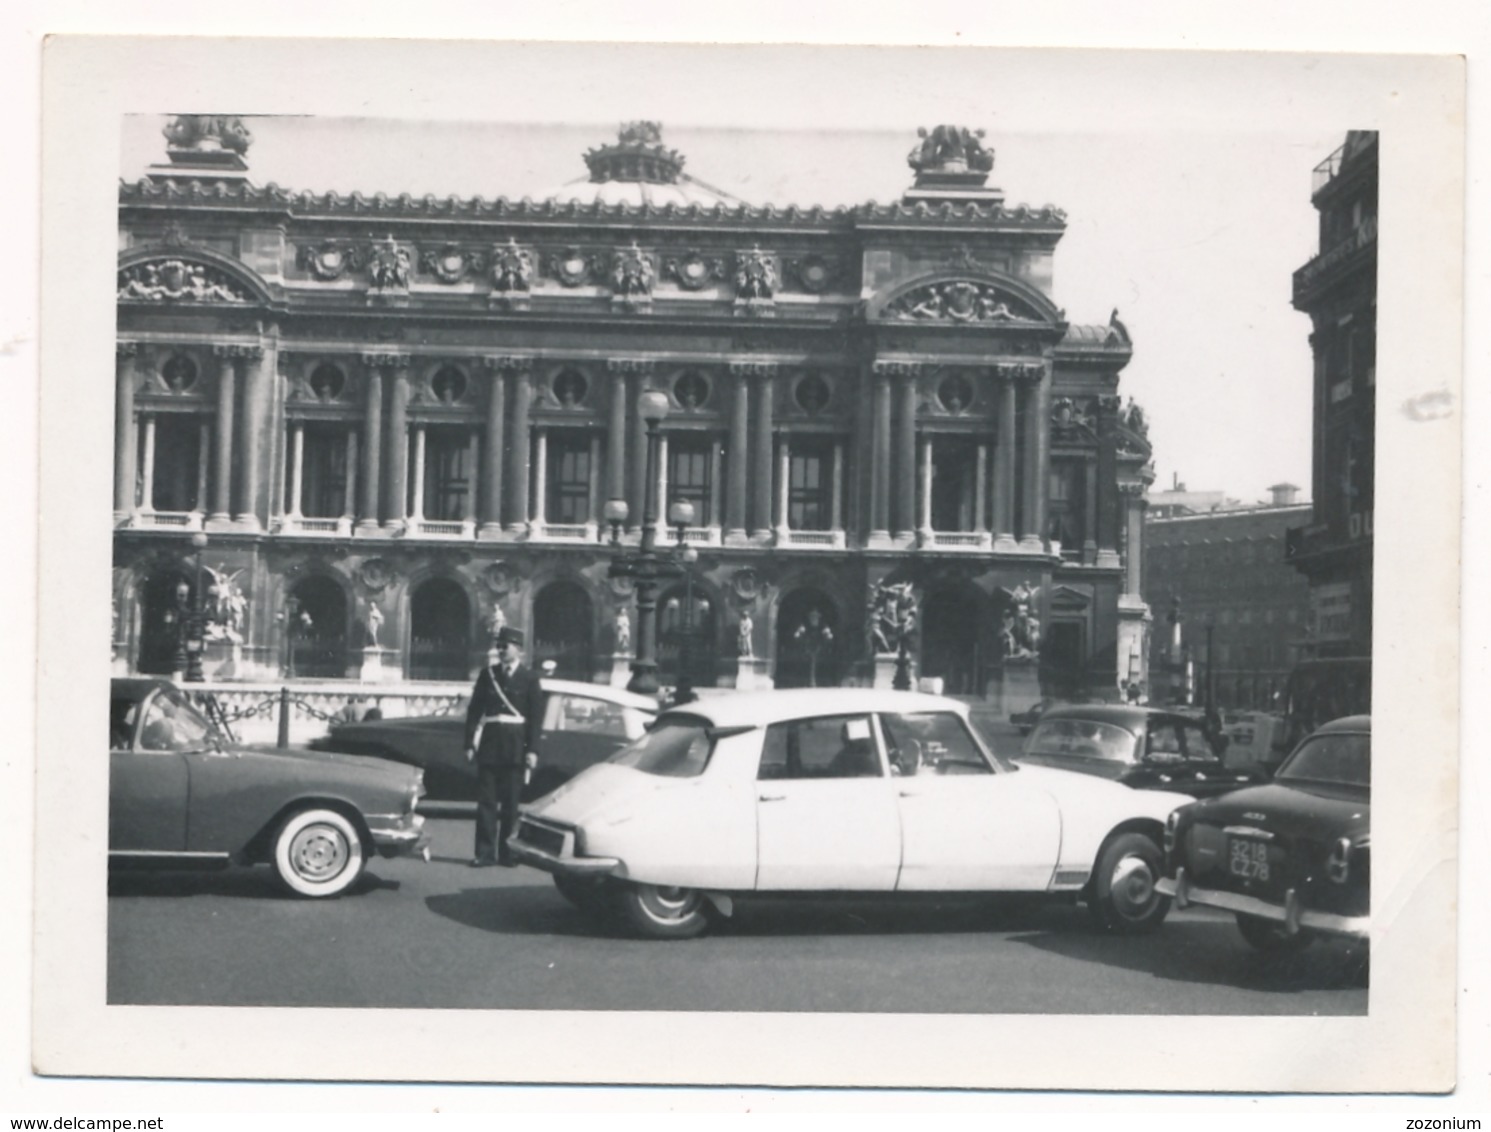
173,724
1082,738
678,747
1342,759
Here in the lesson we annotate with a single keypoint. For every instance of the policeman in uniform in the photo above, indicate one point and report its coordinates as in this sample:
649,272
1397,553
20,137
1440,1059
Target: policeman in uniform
502,727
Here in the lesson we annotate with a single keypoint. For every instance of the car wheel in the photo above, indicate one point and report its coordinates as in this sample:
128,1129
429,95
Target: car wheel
662,912
1269,936
1124,898
317,853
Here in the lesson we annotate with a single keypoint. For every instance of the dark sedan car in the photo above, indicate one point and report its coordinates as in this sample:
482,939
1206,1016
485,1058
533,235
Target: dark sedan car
180,795
1290,859
1147,748
583,724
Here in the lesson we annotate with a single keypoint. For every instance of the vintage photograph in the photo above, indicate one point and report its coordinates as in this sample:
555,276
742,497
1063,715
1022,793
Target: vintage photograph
792,572
746,577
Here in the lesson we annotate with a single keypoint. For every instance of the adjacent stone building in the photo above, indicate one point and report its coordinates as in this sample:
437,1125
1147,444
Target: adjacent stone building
397,422
1338,290
1225,573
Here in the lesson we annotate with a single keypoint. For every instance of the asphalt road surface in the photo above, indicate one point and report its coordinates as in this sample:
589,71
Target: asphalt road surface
443,935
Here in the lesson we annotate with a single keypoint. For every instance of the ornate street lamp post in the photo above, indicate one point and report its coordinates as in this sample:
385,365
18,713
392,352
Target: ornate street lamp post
681,518
646,567
197,639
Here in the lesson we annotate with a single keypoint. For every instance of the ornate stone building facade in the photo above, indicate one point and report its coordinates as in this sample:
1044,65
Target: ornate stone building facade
1338,290
397,423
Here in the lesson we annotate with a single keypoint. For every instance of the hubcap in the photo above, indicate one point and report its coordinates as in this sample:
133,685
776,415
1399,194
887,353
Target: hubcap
670,904
319,852
1133,886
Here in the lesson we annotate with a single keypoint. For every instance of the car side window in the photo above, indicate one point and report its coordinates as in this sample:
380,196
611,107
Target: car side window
931,742
841,746
1162,745
586,715
171,725
1199,748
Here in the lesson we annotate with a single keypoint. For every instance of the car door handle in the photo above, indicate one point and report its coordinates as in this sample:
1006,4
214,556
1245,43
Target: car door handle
771,797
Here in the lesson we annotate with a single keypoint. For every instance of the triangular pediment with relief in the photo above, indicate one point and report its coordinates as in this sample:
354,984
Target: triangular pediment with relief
1065,597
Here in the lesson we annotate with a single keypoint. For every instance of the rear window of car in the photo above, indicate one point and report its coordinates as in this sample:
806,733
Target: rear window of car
675,748
1341,759
593,717
1082,738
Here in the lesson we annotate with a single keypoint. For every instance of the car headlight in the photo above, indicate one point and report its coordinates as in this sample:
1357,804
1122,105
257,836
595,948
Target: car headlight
1172,823
1338,864
416,791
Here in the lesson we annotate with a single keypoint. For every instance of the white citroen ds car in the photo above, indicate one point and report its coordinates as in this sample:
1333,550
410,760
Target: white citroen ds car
836,790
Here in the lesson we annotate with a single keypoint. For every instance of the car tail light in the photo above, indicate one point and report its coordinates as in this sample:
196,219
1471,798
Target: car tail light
1338,865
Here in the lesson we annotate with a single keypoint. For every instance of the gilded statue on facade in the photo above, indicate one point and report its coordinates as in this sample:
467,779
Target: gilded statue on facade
892,616
950,149
389,266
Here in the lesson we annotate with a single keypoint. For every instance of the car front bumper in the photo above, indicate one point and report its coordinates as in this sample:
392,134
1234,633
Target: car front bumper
1291,914
397,835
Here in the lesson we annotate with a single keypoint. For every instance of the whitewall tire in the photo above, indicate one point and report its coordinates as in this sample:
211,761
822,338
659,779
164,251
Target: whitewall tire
317,853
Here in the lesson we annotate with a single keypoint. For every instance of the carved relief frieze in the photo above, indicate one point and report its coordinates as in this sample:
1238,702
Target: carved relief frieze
450,263
745,368
179,281
329,260
694,271
1073,418
814,273
632,276
1019,371
630,365
512,276
960,301
571,267
390,265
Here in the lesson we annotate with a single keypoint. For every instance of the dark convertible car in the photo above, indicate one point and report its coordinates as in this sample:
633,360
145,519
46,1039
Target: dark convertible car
1291,859
182,795
1144,747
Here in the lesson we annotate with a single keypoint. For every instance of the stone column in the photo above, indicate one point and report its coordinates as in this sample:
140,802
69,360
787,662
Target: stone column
540,478
204,450
1037,433
1107,482
222,480
593,490
396,497
126,458
784,477
905,459
924,485
1133,574
1004,468
372,446
880,459
1089,511
417,496
616,442
517,452
147,473
761,464
660,487
297,467
735,499
473,461
636,500
716,463
491,451
253,444
836,501
980,478
349,488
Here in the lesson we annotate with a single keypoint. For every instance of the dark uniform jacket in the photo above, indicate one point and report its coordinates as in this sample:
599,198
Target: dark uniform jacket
504,743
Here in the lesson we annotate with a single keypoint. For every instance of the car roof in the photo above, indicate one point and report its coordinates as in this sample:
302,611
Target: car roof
739,709
600,692
1124,715
1345,723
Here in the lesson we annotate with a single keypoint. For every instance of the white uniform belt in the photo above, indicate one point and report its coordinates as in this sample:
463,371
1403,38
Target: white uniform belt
516,719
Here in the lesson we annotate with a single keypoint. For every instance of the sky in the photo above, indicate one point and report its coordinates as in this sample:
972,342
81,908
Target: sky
1193,237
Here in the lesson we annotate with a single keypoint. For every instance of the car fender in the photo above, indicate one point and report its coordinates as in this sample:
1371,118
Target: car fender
1092,809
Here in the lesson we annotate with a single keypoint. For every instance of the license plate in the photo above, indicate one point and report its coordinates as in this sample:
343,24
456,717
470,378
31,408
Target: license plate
1247,859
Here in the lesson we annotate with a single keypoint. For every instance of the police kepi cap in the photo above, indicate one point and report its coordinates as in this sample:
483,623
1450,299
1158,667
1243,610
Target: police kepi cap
507,636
